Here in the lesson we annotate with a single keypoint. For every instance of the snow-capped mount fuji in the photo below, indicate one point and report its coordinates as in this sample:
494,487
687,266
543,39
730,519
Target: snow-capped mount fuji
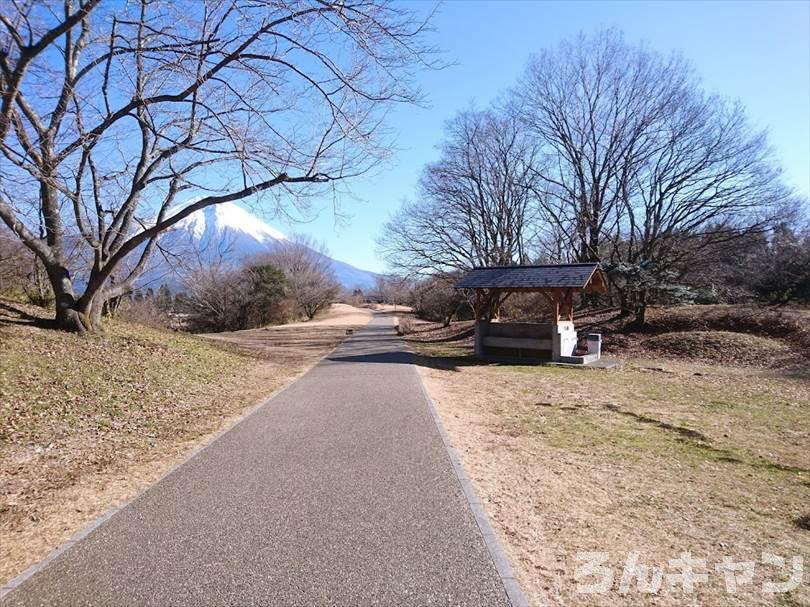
228,232
228,219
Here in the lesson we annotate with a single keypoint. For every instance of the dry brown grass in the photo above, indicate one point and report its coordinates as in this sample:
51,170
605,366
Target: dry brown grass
86,422
789,324
688,457
459,333
723,347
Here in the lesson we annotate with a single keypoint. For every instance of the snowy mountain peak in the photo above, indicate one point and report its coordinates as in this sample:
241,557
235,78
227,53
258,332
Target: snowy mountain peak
227,231
229,216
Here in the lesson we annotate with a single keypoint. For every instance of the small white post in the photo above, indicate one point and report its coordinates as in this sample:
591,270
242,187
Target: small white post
563,340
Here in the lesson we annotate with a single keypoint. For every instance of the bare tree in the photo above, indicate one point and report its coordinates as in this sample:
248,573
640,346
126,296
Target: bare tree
21,272
222,298
110,112
645,170
701,180
702,171
475,204
310,280
392,288
782,269
435,298
14,261
587,104
211,299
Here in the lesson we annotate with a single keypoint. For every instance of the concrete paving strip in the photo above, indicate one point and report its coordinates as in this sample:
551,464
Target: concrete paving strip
337,491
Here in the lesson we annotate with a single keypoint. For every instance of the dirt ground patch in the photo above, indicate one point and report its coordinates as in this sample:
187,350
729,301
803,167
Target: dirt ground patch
653,458
392,308
87,422
337,315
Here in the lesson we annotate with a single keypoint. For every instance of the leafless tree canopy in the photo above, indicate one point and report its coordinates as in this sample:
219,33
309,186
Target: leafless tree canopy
616,154
639,152
475,205
113,113
392,288
310,281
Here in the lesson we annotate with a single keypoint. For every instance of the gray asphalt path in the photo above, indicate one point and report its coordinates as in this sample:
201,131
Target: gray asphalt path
338,491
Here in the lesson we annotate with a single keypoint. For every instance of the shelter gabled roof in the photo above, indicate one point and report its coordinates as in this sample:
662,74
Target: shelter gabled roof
564,276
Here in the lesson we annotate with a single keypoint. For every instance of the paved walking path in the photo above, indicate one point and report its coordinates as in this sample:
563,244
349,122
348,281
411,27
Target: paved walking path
339,491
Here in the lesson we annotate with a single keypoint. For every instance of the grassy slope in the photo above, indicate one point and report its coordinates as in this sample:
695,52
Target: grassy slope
721,333
87,421
128,382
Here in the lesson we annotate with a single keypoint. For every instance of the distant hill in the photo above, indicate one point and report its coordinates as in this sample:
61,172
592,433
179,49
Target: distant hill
229,232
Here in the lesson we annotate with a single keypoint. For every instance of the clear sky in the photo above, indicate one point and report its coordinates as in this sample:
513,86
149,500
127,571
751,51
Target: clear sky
758,52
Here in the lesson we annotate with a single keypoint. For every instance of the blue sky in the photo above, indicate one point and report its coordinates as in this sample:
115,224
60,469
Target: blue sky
758,52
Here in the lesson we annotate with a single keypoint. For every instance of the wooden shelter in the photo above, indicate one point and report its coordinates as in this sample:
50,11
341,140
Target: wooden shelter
558,284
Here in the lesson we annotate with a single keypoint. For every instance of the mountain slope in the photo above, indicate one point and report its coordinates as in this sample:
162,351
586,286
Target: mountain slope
227,232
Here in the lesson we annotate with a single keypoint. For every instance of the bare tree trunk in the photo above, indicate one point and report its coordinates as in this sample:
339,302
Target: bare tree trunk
624,302
74,314
449,317
68,315
641,309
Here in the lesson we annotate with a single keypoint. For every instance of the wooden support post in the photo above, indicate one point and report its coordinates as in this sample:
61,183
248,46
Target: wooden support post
569,305
479,326
555,305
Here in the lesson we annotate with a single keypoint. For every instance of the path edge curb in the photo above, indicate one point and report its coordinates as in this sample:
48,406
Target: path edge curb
510,583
